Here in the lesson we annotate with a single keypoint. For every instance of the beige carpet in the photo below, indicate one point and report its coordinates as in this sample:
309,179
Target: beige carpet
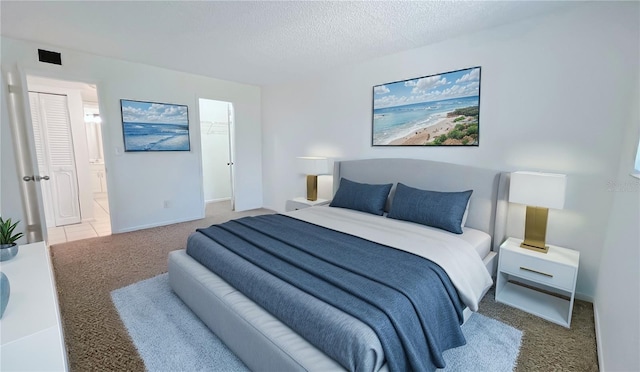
87,271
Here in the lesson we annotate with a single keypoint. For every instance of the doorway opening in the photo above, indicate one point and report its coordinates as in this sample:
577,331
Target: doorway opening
67,133
216,133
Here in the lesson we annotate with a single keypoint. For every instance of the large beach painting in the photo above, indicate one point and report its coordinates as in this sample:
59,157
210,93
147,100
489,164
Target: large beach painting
151,126
436,110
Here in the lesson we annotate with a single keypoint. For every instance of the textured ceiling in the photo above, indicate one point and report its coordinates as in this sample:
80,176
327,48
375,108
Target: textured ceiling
254,42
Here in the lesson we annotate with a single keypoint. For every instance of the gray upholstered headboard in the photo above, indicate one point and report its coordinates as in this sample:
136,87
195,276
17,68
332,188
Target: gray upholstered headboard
488,203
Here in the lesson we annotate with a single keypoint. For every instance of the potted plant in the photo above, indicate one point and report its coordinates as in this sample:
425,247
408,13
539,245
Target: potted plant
8,246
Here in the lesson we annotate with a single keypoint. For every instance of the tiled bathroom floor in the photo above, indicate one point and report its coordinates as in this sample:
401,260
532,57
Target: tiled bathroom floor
101,226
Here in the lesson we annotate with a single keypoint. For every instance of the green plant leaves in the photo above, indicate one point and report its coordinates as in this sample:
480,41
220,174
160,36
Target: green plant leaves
6,231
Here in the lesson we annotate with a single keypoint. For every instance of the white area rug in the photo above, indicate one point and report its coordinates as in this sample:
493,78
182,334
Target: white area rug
169,336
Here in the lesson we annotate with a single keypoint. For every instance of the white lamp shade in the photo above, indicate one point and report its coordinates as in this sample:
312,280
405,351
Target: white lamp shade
538,189
313,165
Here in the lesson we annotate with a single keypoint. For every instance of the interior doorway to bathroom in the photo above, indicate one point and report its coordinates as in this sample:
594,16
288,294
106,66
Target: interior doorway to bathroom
67,133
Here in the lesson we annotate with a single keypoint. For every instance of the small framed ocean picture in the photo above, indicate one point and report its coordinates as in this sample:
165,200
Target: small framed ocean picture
435,110
151,126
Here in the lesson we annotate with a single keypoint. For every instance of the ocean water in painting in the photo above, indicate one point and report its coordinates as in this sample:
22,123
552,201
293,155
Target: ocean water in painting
394,122
156,137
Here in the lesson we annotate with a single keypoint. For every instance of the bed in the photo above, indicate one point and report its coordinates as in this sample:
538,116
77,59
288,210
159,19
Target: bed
264,342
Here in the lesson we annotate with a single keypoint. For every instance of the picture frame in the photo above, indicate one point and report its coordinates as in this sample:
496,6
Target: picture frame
153,126
434,110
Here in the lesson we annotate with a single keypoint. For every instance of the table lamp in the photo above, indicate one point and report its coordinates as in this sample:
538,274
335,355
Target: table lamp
539,192
312,166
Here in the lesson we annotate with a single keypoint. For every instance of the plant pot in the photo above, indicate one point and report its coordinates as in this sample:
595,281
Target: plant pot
4,292
8,251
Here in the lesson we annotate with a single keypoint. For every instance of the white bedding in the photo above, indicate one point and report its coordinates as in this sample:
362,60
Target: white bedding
479,240
454,253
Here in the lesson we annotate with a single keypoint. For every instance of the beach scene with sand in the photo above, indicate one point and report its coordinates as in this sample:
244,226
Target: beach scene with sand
434,110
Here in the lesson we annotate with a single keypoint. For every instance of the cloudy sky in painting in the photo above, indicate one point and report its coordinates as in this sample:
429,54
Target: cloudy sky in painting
155,113
456,84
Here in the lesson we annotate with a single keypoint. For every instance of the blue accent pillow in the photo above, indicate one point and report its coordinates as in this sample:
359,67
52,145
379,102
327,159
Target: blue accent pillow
443,210
361,196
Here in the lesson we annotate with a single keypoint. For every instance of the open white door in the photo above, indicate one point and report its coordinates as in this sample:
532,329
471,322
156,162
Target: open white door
31,196
216,129
230,163
55,156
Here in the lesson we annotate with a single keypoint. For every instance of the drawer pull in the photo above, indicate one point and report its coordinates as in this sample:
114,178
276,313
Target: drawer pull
536,271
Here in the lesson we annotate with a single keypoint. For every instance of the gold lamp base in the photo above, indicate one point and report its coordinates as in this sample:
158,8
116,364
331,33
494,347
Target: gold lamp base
312,187
535,229
544,249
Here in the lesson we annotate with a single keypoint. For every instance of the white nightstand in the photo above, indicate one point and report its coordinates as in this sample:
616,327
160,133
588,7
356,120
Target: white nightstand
301,203
553,275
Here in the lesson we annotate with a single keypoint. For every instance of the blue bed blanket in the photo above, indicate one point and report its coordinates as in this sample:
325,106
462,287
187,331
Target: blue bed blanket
407,300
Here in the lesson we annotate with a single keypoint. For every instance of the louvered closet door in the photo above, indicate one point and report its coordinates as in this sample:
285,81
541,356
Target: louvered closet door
54,149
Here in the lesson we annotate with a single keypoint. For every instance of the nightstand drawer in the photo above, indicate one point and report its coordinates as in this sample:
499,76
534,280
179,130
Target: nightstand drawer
538,270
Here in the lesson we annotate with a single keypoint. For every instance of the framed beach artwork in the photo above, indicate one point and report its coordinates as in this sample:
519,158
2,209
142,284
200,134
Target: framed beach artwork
152,126
435,110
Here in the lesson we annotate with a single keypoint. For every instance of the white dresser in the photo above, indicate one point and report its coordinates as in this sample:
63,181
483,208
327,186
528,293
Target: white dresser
31,336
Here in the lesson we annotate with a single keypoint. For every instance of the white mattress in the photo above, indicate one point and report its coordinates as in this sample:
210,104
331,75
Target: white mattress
479,240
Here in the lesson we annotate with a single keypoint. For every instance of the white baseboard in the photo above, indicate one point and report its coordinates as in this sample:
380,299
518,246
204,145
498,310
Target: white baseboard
598,339
163,223
584,297
216,200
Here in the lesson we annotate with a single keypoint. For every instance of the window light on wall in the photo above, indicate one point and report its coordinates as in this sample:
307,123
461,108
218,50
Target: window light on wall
636,167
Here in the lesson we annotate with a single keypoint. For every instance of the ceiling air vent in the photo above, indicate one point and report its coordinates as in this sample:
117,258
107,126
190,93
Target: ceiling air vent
48,56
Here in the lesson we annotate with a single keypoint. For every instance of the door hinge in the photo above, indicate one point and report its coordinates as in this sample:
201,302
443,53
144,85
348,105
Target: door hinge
13,88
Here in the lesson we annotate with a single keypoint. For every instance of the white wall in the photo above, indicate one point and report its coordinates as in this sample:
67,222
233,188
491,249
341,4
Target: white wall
214,129
139,183
555,94
617,298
